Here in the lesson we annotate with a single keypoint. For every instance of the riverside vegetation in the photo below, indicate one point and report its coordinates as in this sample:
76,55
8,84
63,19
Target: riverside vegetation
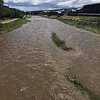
82,87
7,13
60,43
4,28
84,22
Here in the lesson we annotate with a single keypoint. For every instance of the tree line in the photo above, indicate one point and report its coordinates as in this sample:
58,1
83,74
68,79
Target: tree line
6,12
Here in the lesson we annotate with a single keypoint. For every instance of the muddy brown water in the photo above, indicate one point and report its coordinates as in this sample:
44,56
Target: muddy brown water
32,67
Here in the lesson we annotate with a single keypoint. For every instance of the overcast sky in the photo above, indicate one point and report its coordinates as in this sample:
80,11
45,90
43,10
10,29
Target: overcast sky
31,5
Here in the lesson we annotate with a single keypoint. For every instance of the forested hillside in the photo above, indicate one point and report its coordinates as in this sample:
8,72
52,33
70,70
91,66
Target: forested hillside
6,12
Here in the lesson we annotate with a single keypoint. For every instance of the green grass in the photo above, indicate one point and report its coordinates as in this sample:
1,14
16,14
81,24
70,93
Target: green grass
90,18
4,28
28,16
59,43
83,22
51,17
83,88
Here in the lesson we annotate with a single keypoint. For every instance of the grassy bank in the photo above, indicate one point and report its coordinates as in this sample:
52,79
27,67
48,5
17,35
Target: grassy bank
83,25
84,22
4,28
80,18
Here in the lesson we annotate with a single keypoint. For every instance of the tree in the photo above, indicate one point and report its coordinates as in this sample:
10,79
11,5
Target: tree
1,2
6,12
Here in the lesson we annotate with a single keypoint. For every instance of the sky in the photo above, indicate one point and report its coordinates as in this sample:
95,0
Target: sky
35,5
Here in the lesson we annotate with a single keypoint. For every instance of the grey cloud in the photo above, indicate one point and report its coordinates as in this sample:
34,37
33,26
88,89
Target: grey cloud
49,4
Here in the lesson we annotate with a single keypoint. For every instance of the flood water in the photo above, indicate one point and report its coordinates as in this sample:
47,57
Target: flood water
32,67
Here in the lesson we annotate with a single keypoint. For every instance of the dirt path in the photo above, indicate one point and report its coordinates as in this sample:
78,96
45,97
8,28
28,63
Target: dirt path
33,68
9,21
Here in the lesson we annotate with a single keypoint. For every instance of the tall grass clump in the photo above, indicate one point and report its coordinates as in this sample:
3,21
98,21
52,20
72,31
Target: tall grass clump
59,43
83,88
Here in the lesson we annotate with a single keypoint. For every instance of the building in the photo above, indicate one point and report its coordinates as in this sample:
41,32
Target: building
92,9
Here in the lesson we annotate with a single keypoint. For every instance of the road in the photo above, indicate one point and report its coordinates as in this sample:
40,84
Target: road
32,67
